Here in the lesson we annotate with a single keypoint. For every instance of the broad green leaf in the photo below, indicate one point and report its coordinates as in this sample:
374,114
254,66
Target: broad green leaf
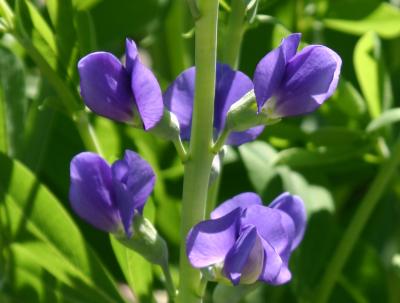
348,99
388,117
137,271
316,198
13,103
371,73
32,210
258,159
384,20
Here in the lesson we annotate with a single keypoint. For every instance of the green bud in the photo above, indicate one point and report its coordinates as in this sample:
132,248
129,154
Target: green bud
168,127
146,241
244,114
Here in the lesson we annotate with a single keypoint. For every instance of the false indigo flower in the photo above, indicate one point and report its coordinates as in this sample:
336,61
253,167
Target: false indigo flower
109,196
117,92
290,84
230,87
251,241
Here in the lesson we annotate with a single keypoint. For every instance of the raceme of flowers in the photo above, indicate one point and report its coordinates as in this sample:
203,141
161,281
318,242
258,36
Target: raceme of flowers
244,240
249,241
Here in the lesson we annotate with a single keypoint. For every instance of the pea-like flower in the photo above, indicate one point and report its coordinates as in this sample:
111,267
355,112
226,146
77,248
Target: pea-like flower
248,241
107,196
230,87
120,92
287,83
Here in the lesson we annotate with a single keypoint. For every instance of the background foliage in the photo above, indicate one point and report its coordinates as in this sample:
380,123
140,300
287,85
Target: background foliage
330,158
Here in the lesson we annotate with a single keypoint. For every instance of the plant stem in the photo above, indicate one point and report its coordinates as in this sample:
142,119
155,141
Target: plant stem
169,283
234,35
198,166
356,226
87,133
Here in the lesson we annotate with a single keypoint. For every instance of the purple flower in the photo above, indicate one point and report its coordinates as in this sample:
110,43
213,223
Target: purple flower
290,84
109,196
250,241
230,87
117,92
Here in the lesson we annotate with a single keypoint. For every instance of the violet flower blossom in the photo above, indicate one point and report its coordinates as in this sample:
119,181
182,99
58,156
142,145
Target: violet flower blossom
290,84
117,92
251,242
107,196
230,87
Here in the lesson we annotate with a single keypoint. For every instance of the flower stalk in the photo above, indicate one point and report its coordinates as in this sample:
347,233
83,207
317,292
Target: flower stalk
198,166
234,35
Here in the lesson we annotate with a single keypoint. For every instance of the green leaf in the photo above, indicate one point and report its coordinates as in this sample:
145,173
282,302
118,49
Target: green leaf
33,211
388,117
258,159
62,18
371,73
13,104
384,20
137,271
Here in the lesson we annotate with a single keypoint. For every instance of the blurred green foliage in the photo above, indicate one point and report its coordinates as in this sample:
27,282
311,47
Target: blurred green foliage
329,158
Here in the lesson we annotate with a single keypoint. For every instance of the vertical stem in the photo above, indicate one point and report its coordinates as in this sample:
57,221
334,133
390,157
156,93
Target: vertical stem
198,166
356,226
87,133
234,35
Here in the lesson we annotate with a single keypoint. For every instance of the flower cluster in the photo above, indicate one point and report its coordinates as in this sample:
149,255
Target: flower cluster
249,241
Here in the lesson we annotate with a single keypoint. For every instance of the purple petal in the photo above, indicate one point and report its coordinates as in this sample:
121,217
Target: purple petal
242,201
90,192
271,69
311,77
273,225
209,241
133,180
231,85
273,264
244,262
105,86
179,99
145,88
294,207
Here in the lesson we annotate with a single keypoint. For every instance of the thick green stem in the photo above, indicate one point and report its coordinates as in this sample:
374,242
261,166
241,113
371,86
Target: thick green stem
234,35
356,226
198,166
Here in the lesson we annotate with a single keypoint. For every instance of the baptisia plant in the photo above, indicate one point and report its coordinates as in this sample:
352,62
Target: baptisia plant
246,241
